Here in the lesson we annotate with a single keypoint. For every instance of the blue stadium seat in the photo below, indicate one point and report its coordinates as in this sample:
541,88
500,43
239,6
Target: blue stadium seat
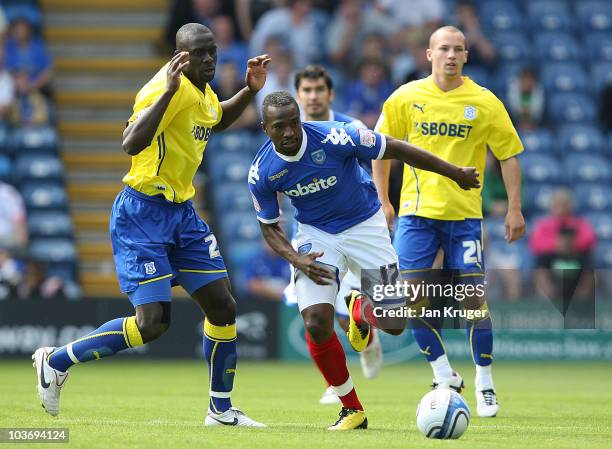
240,254
601,75
540,141
56,250
239,226
594,15
593,198
540,168
602,223
49,224
512,47
581,139
232,167
40,167
511,256
549,15
571,107
6,168
44,195
478,74
564,77
556,47
233,141
500,16
603,255
35,140
66,271
234,196
537,197
495,228
598,46
587,168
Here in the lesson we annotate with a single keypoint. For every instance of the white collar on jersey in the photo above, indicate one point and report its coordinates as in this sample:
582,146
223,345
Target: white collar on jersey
299,154
332,115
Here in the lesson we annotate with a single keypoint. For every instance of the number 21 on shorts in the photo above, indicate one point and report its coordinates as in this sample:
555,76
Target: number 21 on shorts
473,252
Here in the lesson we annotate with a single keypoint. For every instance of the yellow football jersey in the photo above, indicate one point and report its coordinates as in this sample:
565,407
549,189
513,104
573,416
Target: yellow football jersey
168,165
457,126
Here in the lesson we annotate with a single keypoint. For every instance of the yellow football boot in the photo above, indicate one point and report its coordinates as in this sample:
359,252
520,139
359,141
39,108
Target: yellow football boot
358,335
350,419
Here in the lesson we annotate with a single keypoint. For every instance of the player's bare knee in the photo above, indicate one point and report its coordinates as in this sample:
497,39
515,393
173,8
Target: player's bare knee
153,320
150,330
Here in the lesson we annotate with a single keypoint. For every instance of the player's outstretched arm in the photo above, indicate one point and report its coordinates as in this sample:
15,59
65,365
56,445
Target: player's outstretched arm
306,263
515,222
255,80
138,135
465,177
381,170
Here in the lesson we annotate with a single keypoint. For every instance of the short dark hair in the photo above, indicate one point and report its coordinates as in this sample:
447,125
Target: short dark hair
313,72
277,99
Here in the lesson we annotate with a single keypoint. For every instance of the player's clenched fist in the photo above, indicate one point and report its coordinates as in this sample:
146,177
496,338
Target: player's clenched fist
307,264
173,75
467,178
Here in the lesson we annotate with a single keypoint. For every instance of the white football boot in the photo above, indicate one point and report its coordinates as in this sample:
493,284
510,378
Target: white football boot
329,397
486,403
230,417
371,358
48,380
454,383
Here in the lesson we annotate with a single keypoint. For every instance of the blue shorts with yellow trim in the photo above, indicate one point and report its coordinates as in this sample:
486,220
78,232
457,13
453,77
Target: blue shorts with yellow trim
158,244
418,239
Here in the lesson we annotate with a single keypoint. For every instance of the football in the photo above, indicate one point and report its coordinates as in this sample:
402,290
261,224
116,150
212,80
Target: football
443,414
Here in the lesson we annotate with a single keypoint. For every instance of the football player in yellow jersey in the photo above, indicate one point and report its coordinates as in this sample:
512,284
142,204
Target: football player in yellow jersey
456,119
158,239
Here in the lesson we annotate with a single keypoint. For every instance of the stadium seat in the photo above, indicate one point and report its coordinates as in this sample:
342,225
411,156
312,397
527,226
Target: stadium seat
233,141
6,168
44,195
231,167
540,141
40,167
581,139
234,196
239,226
603,255
540,168
49,224
241,253
564,77
598,46
53,250
500,16
601,75
548,15
602,223
495,228
594,15
477,73
512,47
536,198
593,198
66,271
571,107
39,140
556,47
501,255
587,168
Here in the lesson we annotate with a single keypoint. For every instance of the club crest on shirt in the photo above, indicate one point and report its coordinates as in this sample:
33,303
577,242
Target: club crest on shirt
305,248
318,156
150,267
367,138
469,112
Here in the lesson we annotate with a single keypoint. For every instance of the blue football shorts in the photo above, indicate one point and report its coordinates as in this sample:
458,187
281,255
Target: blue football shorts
158,244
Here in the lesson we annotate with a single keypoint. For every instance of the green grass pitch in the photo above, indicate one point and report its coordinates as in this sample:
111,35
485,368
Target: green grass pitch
146,404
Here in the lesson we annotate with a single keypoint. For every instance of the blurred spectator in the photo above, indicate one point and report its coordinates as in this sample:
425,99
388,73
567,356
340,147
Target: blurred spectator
36,284
13,226
280,77
9,274
229,49
366,95
562,244
494,197
230,82
296,26
26,53
420,69
526,100
248,13
349,28
267,275
480,50
425,14
3,23
31,107
7,87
